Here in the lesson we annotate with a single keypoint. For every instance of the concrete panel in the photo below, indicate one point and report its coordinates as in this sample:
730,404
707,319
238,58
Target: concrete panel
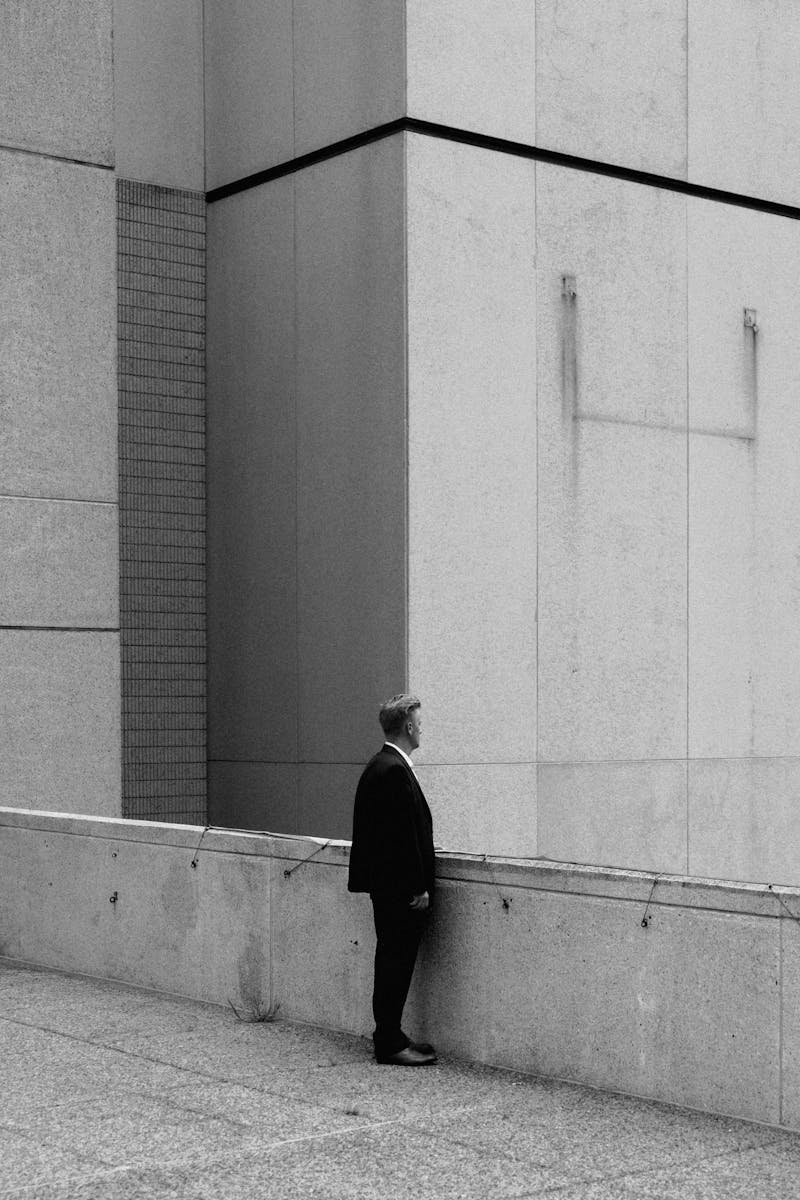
744,113
279,798
56,86
59,563
349,68
325,798
481,808
158,92
618,349
323,946
775,481
619,814
612,595
252,663
60,721
453,981
612,470
726,247
253,795
723,594
351,449
789,911
249,87
473,66
58,390
198,951
744,489
472,451
686,1008
611,81
744,820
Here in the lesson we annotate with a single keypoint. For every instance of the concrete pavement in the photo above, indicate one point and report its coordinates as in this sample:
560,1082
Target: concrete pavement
112,1092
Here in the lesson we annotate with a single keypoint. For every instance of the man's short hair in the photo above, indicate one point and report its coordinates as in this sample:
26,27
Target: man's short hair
394,713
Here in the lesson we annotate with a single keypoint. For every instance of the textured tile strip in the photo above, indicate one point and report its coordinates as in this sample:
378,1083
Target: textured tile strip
161,325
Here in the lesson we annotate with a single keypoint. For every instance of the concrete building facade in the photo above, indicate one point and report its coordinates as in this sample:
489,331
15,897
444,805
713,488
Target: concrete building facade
498,349
102,602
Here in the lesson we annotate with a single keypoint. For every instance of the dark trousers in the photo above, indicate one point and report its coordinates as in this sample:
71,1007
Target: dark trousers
398,930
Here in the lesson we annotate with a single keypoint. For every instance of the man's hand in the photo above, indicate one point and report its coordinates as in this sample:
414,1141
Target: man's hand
420,903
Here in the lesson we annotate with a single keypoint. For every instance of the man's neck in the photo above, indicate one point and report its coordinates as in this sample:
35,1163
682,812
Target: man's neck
401,743
406,753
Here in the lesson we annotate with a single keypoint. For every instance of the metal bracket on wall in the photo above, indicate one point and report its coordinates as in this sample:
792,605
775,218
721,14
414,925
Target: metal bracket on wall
751,368
569,373
569,348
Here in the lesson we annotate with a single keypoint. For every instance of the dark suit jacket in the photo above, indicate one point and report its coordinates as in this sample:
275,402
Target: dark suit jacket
392,852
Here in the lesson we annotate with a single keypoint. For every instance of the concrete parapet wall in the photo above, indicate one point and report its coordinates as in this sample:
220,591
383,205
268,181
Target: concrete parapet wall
679,989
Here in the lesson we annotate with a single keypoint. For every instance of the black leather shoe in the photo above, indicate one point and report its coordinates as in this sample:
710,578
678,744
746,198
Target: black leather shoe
422,1047
409,1057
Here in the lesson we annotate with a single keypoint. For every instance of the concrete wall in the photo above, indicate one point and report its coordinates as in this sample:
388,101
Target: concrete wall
685,90
600,556
59,644
740,56
472,489
82,90
473,65
669,87
158,92
743,563
159,140
213,944
681,990
307,511
628,699
289,77
667,557
581,548
612,520
56,83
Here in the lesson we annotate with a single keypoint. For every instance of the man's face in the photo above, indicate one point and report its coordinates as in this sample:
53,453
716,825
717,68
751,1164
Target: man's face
415,723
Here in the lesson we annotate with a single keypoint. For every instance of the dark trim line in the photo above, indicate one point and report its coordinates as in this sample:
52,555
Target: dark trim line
53,157
59,629
306,160
58,500
484,141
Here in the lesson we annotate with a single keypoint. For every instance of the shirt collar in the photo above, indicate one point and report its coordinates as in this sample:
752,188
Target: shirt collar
399,751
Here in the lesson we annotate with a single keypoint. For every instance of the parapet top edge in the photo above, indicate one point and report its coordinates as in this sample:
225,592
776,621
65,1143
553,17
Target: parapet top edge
542,874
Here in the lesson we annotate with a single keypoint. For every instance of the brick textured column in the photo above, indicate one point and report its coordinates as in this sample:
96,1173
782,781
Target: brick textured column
161,280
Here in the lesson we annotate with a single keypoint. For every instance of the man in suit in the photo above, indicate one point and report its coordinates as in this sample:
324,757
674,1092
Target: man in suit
392,858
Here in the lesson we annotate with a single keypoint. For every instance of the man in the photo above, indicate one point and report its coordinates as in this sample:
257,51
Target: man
392,858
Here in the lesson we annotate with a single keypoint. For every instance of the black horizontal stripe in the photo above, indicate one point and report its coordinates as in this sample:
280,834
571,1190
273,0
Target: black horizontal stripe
499,145
306,160
53,156
59,629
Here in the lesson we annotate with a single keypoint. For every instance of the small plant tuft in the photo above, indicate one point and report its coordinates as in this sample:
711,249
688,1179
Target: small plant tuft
259,1014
